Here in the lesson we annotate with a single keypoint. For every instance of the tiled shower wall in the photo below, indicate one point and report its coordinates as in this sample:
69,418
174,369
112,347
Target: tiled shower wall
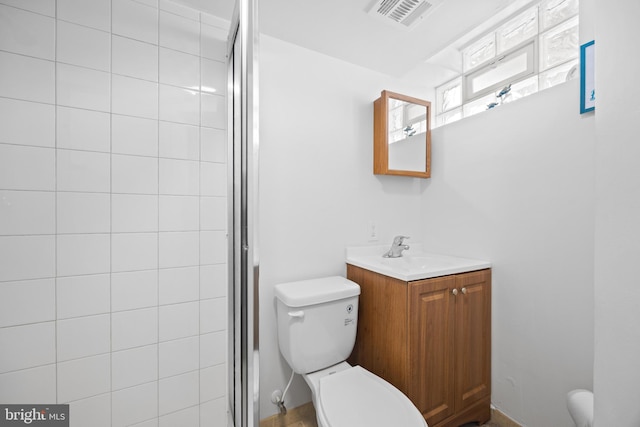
113,211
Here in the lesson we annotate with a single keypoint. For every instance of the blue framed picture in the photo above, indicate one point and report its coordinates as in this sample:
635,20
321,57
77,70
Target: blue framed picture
587,80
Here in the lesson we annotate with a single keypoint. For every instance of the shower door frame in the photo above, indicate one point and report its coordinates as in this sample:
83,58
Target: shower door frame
243,259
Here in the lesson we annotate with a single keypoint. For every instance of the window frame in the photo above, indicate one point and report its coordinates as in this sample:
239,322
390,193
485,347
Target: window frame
530,47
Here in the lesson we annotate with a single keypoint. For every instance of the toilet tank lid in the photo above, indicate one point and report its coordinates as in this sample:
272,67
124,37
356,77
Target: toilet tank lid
316,291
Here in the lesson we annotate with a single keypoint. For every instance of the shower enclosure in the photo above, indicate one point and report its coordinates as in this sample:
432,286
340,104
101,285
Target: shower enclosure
243,202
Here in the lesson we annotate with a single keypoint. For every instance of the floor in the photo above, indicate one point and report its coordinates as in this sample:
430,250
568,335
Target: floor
305,416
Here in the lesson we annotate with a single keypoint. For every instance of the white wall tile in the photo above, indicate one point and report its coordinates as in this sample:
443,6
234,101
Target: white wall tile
134,58
83,171
82,254
83,88
189,417
179,33
179,105
82,295
213,315
86,377
31,79
134,213
27,257
179,69
134,174
134,251
27,168
134,97
213,20
83,129
179,249
124,336
29,301
213,145
27,346
213,382
83,336
179,356
44,7
134,366
213,247
214,76
94,411
134,289
27,123
214,42
154,421
135,20
214,111
29,385
179,141
179,213
213,213
27,212
178,392
92,13
178,9
213,348
178,321
83,212
83,46
178,285
134,404
214,412
134,135
179,177
27,33
213,179
213,281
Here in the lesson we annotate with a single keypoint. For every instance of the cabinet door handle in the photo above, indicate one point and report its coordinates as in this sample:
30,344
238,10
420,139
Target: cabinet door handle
454,291
464,290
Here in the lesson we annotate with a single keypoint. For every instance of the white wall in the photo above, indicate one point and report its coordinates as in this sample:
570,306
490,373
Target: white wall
317,188
515,186
617,290
113,211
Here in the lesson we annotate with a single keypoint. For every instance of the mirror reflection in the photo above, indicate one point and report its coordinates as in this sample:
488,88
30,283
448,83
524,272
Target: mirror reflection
407,135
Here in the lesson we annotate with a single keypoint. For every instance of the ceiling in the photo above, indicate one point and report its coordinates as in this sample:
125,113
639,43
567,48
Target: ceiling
345,30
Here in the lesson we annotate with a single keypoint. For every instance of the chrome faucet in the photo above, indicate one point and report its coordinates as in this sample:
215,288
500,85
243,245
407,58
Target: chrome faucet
397,247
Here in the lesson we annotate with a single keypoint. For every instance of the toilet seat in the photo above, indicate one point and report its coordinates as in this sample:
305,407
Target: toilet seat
357,398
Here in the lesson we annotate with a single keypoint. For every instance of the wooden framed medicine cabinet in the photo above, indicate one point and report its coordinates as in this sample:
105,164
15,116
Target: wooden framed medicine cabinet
401,135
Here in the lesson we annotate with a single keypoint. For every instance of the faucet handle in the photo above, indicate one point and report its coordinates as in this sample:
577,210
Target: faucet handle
399,239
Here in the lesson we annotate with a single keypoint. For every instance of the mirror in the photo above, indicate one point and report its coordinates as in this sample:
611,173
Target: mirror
401,136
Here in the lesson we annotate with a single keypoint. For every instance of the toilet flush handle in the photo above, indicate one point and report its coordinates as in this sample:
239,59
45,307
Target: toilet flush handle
299,314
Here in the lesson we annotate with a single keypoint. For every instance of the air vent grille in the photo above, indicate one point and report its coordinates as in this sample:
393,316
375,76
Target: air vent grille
399,10
404,12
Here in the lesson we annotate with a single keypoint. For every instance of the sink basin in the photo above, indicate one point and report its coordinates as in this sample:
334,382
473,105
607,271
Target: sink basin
413,265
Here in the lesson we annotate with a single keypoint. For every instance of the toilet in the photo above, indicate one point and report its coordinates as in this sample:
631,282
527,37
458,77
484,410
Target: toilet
317,324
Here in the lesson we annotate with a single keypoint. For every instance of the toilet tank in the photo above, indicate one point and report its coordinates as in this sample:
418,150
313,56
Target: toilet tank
317,322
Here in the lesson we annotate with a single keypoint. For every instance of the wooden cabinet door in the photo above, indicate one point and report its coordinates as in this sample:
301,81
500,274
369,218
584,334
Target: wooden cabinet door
431,342
473,338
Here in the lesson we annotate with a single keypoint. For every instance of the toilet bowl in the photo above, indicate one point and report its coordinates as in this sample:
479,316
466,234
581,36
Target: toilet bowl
317,324
580,406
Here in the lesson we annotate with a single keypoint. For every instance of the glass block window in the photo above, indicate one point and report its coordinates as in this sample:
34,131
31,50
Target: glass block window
518,30
535,49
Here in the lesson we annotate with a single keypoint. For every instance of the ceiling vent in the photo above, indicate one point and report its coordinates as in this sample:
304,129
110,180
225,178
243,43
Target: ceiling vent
403,13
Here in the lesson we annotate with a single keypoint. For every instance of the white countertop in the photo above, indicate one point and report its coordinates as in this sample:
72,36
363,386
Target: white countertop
414,263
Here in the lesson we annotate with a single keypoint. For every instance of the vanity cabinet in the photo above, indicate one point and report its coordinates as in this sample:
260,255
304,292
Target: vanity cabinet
430,338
